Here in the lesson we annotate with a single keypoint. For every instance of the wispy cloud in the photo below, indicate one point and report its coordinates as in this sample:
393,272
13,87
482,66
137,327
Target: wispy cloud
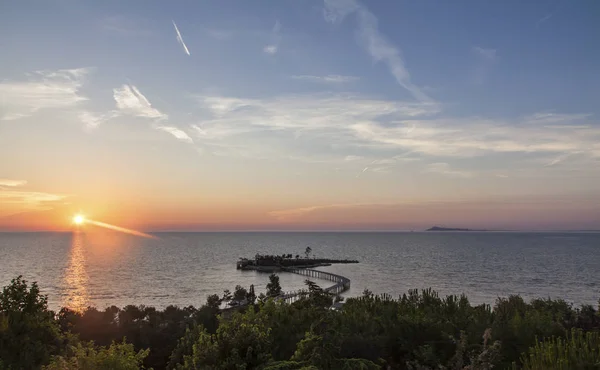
562,159
406,127
316,111
180,39
543,19
488,54
273,47
94,119
42,90
384,161
445,169
131,101
270,49
288,214
178,133
418,213
475,136
17,201
125,26
485,59
220,34
365,169
330,79
351,158
556,118
12,183
374,42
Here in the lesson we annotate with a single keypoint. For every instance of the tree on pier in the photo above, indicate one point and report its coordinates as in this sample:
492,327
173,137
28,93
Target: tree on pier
273,288
308,251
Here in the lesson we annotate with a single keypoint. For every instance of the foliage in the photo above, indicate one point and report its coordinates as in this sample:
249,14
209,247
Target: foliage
273,287
118,356
418,330
241,342
251,295
240,293
185,346
29,335
317,297
227,296
144,327
213,301
578,350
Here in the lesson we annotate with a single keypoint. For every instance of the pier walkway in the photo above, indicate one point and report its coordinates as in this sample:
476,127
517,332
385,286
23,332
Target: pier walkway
341,283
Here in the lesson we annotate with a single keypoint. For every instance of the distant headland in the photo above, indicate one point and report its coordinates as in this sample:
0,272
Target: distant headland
438,228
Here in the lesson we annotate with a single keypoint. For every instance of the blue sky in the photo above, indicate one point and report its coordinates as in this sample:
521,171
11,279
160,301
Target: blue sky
300,113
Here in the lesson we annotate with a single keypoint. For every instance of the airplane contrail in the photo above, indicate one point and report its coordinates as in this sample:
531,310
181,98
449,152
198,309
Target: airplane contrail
180,39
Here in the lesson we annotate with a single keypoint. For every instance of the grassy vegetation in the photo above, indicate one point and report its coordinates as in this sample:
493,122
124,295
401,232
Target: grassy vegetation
419,330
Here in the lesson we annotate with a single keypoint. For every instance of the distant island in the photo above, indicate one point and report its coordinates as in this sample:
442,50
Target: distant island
438,228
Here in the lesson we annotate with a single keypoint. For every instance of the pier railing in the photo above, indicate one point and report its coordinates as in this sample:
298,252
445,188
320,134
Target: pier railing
342,283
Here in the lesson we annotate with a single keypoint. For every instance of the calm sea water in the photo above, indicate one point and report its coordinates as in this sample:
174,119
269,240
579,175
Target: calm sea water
78,270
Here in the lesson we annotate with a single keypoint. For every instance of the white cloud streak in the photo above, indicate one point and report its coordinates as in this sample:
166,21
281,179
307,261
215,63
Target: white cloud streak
406,127
351,158
42,90
131,101
17,201
273,47
12,183
488,54
270,49
294,213
328,79
180,39
176,132
445,169
542,20
376,44
94,119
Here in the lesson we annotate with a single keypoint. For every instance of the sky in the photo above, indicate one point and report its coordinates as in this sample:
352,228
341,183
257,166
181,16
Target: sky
300,115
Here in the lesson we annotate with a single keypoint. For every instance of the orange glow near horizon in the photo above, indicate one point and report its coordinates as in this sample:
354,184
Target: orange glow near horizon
78,219
118,228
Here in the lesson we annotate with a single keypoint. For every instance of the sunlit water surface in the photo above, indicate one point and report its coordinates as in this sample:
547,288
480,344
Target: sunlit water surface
102,269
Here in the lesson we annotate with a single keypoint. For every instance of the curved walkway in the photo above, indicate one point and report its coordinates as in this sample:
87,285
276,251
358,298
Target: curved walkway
341,283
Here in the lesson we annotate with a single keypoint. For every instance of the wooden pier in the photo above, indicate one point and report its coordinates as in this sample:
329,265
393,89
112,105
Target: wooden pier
341,283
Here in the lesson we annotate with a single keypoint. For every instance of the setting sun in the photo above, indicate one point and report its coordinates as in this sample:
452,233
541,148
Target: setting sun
78,219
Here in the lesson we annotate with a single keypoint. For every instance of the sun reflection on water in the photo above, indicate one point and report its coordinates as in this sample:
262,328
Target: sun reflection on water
76,296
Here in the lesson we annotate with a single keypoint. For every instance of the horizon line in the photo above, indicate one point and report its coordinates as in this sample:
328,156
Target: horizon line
472,231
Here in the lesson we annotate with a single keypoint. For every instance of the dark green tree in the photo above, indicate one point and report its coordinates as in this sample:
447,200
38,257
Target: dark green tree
241,342
251,296
226,296
118,356
240,293
273,287
317,296
213,301
578,351
185,347
29,334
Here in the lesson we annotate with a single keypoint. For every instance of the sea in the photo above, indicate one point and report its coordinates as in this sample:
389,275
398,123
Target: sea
80,269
